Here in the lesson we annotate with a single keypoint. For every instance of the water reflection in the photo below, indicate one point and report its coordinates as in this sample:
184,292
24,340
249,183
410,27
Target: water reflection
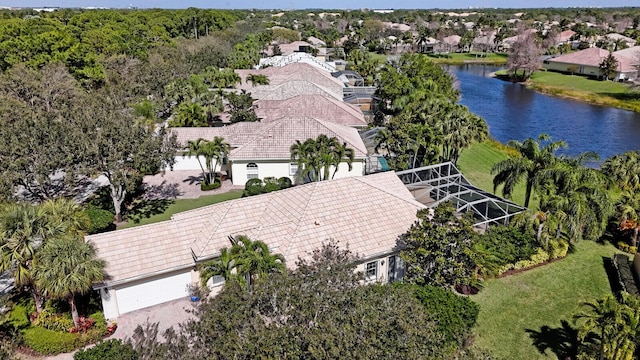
515,112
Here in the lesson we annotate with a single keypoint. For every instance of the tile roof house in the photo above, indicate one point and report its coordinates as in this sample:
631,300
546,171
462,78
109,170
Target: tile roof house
619,37
151,264
301,73
318,106
632,53
261,149
587,62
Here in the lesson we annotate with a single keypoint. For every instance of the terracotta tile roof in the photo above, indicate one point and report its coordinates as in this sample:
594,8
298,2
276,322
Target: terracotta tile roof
318,106
235,134
272,140
294,71
276,138
632,53
593,57
293,88
366,213
566,35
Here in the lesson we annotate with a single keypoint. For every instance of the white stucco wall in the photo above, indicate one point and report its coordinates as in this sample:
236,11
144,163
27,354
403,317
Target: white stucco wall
124,298
382,274
190,163
280,168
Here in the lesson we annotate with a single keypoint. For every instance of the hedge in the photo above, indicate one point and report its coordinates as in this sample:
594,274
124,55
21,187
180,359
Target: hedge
113,349
101,220
456,315
49,342
207,187
625,275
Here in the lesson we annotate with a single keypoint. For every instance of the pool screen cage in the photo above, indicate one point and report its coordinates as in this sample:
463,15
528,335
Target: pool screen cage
434,184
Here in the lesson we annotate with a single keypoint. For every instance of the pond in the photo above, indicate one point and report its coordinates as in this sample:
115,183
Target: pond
515,112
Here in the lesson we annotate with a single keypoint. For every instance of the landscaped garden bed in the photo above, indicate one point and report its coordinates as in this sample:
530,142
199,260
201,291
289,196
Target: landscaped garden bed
52,330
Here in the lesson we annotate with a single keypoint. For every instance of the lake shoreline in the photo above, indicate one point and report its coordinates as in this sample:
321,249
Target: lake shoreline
572,94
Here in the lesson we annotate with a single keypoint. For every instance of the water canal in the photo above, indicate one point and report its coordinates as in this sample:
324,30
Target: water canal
515,112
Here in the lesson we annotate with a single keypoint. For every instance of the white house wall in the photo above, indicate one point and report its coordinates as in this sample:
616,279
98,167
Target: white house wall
133,296
384,265
190,163
280,168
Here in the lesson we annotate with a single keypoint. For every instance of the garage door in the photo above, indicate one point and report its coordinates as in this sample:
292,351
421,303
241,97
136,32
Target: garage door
152,292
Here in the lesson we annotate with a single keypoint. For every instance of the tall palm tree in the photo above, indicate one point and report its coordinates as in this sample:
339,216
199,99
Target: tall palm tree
534,158
213,153
66,267
341,153
222,266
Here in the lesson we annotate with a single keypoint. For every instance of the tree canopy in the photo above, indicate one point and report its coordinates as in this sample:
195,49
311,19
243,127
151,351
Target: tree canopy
318,310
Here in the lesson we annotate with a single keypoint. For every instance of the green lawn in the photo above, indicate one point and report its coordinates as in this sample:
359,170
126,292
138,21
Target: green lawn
463,58
528,308
180,205
607,93
580,83
476,163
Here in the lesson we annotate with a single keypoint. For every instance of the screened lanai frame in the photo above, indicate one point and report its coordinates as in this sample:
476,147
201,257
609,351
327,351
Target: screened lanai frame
434,184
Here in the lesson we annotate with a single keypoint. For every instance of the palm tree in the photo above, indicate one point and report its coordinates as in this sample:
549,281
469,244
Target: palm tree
189,114
316,156
624,169
579,196
65,217
258,79
213,153
194,148
222,266
254,260
534,158
341,153
66,267
23,230
609,329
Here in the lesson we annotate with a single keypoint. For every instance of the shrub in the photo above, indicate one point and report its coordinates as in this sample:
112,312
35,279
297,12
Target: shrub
285,182
48,342
501,246
252,187
113,349
558,248
19,315
456,315
51,320
626,247
625,275
207,187
101,220
270,184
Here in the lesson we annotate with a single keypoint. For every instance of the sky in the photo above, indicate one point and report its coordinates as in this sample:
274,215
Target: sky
320,4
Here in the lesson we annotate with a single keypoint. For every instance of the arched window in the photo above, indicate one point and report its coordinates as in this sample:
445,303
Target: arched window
252,171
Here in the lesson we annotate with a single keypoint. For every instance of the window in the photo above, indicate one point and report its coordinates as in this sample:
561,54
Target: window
293,169
252,171
371,270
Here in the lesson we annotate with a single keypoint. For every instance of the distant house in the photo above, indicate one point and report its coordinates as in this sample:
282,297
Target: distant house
587,62
321,107
632,53
565,37
152,264
618,37
261,150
